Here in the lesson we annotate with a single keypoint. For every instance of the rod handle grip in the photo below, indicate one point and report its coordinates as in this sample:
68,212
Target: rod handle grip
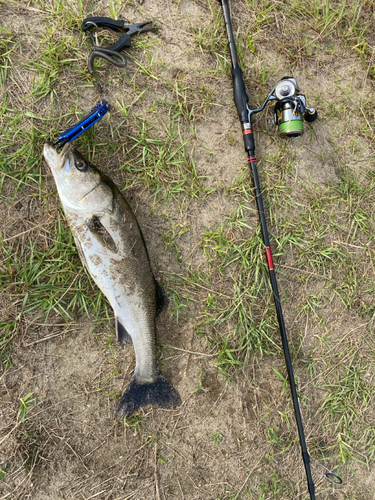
239,92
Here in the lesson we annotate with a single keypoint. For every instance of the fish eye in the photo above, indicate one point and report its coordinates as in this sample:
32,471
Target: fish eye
80,164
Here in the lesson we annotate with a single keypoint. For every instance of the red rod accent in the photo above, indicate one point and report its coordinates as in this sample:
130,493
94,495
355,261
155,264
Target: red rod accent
249,131
252,159
269,258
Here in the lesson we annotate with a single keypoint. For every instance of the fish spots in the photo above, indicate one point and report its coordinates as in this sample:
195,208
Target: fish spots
95,259
114,225
81,234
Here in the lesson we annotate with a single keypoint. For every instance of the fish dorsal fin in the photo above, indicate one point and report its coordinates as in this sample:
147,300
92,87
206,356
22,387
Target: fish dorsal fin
161,299
121,332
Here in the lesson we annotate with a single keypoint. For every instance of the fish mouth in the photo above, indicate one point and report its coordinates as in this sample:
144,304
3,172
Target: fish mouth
55,159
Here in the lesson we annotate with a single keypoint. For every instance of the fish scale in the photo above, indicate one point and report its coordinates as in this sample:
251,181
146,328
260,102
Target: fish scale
114,286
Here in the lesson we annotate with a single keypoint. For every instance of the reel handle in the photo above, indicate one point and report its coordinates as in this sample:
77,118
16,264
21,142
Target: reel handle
310,115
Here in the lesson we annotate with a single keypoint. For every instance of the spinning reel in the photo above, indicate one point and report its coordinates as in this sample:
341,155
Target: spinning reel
290,109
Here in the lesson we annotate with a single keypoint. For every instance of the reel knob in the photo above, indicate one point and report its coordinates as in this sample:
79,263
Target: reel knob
310,115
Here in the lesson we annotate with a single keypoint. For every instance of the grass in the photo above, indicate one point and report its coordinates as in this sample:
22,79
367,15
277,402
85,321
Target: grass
217,438
43,280
162,161
172,142
26,404
3,471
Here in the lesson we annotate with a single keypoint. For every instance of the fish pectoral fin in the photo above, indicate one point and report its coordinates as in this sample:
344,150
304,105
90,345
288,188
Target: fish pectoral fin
101,234
121,332
113,224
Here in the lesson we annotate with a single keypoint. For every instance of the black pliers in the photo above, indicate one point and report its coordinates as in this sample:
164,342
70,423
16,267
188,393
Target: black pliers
109,53
113,53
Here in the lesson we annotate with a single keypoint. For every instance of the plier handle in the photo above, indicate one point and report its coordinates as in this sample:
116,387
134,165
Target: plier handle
127,29
112,54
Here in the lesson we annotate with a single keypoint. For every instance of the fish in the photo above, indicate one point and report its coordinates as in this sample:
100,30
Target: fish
112,248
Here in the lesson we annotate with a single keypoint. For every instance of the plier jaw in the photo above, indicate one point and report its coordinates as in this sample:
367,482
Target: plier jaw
133,29
87,122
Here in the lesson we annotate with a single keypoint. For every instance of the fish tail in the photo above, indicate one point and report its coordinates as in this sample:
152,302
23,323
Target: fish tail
159,393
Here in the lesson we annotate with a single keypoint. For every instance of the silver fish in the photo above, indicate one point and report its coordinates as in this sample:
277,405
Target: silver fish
111,246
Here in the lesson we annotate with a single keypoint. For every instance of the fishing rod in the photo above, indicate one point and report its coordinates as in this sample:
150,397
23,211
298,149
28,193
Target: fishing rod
289,114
